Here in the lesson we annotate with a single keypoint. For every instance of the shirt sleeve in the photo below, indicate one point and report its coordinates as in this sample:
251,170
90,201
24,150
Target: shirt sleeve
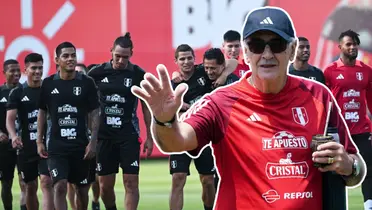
93,98
43,99
14,99
369,91
207,121
327,77
336,120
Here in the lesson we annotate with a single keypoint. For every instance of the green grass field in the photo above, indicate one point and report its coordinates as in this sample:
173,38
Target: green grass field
155,183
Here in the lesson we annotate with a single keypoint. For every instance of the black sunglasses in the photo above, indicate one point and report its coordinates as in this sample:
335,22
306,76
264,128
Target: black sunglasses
257,46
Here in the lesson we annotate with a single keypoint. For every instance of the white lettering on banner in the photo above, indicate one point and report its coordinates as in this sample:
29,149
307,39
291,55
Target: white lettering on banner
298,195
284,140
201,23
286,168
352,116
70,133
351,93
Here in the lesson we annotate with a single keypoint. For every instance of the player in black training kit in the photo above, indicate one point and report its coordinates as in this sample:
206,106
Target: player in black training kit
71,100
301,67
196,77
23,101
119,129
8,155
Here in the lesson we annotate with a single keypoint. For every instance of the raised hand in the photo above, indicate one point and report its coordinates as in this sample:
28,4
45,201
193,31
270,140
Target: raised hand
159,95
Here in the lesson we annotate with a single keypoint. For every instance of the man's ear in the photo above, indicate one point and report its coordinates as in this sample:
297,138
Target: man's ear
293,52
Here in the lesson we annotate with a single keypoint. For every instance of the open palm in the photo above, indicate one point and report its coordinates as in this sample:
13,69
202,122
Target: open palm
159,95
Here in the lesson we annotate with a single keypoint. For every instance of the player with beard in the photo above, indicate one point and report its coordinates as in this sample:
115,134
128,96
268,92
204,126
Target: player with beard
71,100
301,66
23,101
232,48
119,144
8,155
92,179
350,81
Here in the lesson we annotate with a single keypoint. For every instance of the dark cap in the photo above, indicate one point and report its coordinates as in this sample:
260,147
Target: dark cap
269,18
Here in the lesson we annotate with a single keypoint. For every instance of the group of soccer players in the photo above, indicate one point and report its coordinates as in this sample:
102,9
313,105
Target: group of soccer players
80,123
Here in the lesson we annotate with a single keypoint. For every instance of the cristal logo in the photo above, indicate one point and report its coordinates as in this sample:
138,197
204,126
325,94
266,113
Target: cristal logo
27,42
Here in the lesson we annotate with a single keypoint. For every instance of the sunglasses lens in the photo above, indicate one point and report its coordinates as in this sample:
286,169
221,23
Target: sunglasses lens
277,45
257,46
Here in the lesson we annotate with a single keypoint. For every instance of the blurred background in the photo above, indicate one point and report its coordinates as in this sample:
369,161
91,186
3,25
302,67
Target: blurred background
157,28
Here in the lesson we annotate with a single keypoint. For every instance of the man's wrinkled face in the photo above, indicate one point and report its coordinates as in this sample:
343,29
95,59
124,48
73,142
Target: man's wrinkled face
269,54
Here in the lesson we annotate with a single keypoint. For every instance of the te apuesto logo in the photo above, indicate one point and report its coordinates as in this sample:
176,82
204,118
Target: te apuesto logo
27,35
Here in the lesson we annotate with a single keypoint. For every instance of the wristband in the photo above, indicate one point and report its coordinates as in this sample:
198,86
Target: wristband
167,124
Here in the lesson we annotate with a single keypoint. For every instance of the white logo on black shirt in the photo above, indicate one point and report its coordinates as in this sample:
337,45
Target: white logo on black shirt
114,110
105,80
3,100
33,114
76,91
115,98
55,91
201,81
67,108
128,82
135,164
25,98
67,121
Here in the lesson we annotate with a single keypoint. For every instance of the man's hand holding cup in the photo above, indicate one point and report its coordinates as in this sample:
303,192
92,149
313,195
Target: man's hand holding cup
328,155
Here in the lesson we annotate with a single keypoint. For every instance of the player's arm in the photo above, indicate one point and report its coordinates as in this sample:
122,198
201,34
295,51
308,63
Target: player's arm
41,122
179,138
93,110
230,66
147,118
348,153
41,116
12,111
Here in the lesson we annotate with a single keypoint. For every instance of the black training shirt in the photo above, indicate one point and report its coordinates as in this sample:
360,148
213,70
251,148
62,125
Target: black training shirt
199,84
311,73
25,99
68,103
118,104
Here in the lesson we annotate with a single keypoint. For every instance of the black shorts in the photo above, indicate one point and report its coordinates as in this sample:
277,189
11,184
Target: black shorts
8,161
204,164
111,154
31,168
71,167
92,172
